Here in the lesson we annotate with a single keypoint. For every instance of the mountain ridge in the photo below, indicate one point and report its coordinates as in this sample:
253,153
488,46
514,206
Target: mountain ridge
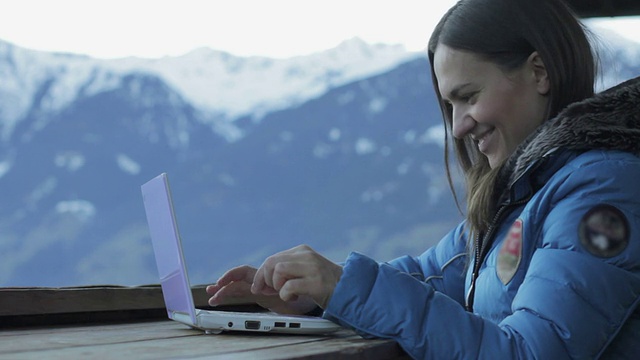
221,86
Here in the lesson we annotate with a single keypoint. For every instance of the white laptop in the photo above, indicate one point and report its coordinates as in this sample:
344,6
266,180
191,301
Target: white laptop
176,288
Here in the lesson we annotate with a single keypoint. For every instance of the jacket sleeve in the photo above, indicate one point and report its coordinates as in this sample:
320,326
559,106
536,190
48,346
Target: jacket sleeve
382,301
571,303
441,266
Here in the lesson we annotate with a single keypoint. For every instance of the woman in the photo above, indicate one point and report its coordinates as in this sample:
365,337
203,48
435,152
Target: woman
547,263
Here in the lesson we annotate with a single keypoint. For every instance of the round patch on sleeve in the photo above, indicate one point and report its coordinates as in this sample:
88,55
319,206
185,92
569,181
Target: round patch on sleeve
604,231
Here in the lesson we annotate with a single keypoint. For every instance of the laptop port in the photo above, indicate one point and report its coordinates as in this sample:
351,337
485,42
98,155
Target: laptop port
279,324
252,325
294,325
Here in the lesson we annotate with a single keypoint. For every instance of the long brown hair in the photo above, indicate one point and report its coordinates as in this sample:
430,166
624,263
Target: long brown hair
506,32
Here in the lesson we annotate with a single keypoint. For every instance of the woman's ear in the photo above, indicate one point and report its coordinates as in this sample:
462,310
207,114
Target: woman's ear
539,73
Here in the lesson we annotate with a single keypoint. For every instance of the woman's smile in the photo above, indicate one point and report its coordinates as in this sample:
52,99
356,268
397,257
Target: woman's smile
484,141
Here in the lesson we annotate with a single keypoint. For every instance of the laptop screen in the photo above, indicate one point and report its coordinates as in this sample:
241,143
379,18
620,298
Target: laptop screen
165,237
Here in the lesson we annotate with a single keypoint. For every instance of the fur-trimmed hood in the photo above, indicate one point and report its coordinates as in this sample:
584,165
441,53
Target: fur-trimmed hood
607,120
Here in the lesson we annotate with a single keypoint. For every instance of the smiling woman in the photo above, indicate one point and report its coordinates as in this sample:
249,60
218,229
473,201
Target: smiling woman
372,172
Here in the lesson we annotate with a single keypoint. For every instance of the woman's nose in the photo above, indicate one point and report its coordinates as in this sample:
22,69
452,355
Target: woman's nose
462,124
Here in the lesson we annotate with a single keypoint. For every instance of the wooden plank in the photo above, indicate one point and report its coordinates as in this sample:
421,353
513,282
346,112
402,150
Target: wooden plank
34,301
30,301
63,337
146,342
351,348
54,306
84,328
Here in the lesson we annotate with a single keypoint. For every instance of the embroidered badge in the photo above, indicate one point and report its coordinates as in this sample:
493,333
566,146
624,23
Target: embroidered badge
604,231
510,253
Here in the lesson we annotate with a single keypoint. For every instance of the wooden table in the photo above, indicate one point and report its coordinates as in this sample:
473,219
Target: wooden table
165,339
115,322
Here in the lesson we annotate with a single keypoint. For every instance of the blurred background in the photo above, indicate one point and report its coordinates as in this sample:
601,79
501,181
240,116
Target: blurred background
279,123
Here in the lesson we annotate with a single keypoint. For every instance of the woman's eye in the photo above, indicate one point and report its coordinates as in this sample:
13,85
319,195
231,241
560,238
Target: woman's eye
470,99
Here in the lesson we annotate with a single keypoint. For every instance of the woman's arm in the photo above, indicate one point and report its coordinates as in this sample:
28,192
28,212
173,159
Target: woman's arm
442,266
571,304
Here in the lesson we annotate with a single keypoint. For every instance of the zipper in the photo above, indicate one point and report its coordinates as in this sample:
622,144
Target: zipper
482,246
480,253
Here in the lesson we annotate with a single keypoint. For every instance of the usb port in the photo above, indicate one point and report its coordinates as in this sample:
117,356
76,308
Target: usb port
280,324
294,325
252,325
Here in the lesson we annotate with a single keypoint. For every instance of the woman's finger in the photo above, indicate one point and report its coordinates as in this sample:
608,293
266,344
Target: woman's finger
293,288
263,279
285,271
241,273
234,293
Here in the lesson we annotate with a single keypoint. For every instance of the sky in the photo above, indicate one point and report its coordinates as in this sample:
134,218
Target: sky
110,29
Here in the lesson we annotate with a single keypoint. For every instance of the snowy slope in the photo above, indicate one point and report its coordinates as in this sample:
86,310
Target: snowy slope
219,84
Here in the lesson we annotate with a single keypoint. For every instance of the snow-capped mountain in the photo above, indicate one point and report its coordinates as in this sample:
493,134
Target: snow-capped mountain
340,149
222,87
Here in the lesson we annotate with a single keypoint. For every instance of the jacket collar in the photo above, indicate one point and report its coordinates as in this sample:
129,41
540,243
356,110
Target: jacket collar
609,120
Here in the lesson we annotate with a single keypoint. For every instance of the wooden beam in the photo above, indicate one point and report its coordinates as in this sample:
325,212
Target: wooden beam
71,305
605,8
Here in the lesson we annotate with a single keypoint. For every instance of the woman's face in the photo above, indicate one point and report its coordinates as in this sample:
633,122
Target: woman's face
498,110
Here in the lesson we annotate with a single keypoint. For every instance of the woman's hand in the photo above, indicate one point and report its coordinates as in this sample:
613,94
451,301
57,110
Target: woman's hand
234,287
297,273
294,281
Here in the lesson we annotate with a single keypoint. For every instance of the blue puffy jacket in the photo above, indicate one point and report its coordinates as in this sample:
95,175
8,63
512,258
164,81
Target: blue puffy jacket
561,275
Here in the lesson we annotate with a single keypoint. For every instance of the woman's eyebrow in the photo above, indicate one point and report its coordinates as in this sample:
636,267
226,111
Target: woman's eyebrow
455,92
